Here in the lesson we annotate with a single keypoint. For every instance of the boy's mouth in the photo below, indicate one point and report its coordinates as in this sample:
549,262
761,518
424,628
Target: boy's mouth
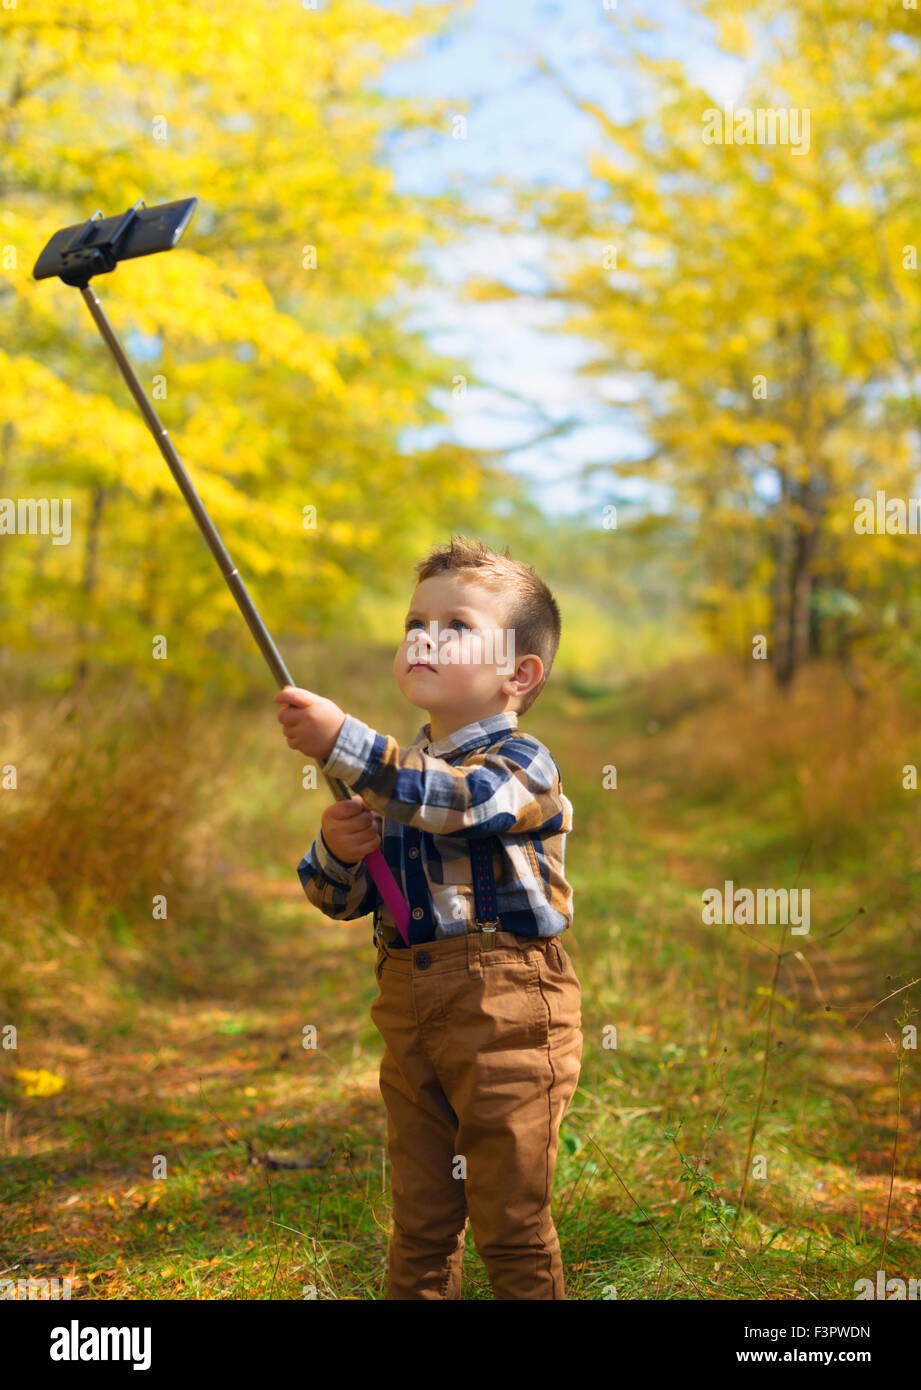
422,666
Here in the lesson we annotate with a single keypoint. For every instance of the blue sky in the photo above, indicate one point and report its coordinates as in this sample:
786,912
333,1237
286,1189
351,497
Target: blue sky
520,128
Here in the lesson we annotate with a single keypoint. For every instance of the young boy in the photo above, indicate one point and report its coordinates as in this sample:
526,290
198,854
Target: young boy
481,1014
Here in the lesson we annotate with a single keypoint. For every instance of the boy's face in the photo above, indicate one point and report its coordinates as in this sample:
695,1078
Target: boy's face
457,659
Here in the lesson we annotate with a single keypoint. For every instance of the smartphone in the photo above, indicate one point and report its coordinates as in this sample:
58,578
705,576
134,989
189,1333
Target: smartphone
96,247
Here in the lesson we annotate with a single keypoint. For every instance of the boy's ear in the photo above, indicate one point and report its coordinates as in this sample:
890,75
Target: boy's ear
536,670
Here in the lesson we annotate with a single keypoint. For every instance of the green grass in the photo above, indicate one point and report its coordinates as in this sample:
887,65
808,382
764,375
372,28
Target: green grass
182,1038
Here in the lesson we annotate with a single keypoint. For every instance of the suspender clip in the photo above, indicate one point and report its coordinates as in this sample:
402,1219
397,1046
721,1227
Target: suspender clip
488,933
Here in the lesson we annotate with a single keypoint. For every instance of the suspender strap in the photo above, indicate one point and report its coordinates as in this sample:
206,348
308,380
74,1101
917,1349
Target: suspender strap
484,894
484,889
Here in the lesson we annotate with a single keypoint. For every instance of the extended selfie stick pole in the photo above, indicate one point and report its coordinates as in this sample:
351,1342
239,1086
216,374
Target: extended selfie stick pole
78,258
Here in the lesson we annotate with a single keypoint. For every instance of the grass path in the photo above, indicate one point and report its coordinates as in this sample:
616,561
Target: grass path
192,1052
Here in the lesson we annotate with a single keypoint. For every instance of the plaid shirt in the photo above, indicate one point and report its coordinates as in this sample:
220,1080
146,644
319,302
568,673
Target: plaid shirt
427,801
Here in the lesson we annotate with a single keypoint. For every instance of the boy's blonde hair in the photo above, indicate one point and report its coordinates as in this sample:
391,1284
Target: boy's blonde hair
529,608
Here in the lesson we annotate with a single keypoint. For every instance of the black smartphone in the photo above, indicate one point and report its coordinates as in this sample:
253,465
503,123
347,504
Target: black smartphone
98,245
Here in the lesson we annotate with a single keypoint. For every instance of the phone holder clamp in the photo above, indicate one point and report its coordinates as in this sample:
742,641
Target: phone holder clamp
81,262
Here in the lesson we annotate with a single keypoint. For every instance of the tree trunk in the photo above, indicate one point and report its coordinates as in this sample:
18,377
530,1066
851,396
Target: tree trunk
88,585
6,454
802,496
153,558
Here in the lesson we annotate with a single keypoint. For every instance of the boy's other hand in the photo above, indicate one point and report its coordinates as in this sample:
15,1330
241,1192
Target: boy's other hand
348,829
311,723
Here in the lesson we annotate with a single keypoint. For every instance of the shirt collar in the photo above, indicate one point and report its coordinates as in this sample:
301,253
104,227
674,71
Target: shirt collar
469,736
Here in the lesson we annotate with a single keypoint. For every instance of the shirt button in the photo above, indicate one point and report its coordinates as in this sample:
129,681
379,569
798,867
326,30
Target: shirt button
422,961
417,913
414,854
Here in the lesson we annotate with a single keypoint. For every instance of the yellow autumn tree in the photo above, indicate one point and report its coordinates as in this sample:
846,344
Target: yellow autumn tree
750,279
271,340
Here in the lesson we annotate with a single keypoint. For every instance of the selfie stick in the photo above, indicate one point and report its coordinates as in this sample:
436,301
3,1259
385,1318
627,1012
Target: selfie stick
76,254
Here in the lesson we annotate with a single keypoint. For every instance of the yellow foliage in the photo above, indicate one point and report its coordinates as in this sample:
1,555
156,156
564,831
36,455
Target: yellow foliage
733,34
262,339
39,1083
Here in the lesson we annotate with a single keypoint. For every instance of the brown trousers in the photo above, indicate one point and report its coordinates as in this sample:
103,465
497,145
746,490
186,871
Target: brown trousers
483,1053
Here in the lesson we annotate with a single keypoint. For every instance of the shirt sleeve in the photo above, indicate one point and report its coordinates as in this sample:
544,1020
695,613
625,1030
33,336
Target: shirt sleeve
514,789
339,890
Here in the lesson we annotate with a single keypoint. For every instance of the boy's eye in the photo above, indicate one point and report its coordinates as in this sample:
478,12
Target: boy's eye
417,622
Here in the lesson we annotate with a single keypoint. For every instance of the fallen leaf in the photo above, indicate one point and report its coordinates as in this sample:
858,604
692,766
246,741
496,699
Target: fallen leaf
39,1083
